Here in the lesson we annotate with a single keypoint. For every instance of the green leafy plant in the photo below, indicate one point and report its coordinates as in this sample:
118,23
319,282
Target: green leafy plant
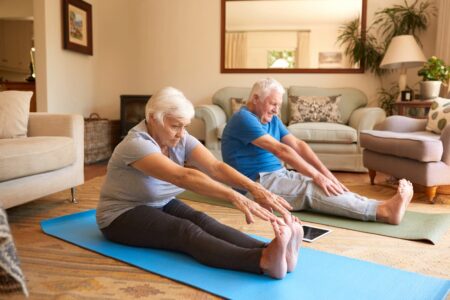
387,98
404,19
369,46
366,51
435,69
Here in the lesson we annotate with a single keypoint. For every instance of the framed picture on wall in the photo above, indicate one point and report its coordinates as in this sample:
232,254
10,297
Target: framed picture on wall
77,26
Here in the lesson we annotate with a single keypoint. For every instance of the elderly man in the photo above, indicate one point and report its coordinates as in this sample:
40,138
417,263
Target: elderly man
255,142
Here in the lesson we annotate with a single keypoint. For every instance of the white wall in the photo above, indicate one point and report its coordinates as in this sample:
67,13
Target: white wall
143,45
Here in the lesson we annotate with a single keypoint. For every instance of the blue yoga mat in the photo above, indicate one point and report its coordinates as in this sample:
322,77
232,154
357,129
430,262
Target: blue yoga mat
319,275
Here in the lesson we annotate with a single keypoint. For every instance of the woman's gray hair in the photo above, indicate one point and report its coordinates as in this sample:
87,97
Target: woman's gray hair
263,87
169,101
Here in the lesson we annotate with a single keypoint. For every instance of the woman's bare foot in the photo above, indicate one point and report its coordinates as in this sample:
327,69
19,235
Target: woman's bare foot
294,243
273,259
393,210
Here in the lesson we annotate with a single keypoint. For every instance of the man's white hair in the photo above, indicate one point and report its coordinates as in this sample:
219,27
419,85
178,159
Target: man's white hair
263,87
169,101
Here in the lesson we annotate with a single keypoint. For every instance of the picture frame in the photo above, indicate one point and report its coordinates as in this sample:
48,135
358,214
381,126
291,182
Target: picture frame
406,95
77,26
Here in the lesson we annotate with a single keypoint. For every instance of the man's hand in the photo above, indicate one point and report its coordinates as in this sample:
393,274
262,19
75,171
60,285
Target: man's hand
335,180
328,186
271,202
344,188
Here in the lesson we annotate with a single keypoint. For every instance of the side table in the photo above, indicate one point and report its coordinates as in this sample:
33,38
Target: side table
403,106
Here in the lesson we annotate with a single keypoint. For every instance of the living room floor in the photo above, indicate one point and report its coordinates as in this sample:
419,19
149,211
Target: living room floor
55,269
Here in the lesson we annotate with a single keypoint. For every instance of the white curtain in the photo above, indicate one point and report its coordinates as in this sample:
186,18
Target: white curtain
443,36
235,50
303,56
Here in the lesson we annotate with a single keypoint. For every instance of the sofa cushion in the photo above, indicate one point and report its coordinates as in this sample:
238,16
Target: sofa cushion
14,111
314,109
439,115
220,130
34,155
351,98
421,145
324,133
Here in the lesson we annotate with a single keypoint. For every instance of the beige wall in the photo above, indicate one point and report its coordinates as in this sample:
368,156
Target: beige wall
16,9
65,80
143,45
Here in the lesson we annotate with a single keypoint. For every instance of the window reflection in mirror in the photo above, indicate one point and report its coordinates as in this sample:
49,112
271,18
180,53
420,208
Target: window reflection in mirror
287,36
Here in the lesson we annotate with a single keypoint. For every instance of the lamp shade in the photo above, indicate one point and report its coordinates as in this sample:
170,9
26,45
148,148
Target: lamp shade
403,52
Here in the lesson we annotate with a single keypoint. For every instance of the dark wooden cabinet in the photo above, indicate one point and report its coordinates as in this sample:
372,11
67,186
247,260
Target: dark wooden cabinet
22,86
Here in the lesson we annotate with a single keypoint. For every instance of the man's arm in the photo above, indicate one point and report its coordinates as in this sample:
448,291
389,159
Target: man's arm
290,156
305,151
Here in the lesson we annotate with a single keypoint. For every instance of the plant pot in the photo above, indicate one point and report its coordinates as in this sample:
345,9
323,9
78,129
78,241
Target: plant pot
430,89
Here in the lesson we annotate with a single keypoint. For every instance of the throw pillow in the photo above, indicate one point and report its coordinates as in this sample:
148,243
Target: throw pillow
439,115
14,112
236,104
314,109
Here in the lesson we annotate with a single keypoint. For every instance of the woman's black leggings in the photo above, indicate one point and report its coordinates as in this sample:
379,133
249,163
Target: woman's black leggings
179,227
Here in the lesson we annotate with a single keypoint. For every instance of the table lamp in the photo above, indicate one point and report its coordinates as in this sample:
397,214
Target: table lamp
403,52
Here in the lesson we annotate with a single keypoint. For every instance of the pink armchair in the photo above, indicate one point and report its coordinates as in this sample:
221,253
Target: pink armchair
402,147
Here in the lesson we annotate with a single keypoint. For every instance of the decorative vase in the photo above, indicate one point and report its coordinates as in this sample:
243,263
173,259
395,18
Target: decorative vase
430,89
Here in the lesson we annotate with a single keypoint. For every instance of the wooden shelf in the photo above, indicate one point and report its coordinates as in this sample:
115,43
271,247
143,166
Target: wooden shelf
403,106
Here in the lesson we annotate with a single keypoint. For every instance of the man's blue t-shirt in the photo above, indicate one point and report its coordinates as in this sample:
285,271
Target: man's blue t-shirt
237,149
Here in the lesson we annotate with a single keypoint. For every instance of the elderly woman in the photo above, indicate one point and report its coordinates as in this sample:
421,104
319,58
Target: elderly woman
138,207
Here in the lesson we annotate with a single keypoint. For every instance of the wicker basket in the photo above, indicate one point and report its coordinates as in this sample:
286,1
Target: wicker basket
97,139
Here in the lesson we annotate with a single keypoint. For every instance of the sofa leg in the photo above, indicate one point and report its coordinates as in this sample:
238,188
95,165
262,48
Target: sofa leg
73,193
372,175
430,191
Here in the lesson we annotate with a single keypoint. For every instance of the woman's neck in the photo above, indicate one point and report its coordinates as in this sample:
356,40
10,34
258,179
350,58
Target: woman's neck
152,133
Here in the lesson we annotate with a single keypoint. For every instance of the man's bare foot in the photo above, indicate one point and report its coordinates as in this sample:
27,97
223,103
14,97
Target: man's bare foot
273,259
294,243
393,210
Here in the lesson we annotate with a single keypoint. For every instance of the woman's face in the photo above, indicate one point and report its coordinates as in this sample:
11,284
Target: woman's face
170,133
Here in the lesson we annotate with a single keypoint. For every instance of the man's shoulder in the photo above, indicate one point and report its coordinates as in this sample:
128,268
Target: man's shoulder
244,117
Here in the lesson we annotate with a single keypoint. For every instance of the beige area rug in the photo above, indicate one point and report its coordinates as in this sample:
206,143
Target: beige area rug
55,269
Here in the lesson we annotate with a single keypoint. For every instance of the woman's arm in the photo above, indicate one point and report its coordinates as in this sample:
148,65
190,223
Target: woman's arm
222,172
161,167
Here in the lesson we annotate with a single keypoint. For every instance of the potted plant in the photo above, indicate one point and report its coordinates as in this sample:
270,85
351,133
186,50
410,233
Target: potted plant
434,72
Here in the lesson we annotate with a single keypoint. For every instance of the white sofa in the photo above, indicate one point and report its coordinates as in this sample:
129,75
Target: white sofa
337,145
48,160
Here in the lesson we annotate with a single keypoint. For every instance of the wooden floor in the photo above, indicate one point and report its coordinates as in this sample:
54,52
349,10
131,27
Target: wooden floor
58,270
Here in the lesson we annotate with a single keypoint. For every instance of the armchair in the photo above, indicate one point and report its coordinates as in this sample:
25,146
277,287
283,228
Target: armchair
402,147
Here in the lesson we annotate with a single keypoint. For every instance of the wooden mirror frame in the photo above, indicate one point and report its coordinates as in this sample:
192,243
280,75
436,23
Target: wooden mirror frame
275,70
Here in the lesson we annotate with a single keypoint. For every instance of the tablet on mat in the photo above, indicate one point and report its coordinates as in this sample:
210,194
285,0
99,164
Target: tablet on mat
311,234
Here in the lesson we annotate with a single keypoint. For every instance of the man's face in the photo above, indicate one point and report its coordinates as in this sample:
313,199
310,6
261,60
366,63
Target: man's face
269,107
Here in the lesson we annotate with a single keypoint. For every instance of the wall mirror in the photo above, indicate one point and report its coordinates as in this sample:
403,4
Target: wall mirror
287,36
